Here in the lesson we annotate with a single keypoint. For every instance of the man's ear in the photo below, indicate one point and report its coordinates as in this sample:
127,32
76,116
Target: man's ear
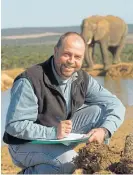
55,51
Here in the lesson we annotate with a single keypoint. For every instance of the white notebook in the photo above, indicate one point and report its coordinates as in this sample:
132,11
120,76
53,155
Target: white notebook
71,138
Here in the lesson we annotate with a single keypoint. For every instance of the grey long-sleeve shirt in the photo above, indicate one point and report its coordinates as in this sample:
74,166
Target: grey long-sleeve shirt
23,108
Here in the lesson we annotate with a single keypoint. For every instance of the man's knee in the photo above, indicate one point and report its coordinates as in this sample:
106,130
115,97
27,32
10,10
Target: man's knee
95,109
87,117
96,113
66,160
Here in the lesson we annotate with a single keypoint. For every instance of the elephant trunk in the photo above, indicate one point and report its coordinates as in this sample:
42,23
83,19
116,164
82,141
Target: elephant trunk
87,36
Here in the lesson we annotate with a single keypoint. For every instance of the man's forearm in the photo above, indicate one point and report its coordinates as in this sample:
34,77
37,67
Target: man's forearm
113,121
28,130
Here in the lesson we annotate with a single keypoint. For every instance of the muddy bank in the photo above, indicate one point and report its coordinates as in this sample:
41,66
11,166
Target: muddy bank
8,76
124,70
117,143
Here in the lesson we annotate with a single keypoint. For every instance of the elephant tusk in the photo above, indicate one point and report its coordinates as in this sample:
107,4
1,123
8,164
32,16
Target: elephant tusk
89,41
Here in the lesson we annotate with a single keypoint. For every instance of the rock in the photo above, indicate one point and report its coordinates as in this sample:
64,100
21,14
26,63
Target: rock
95,158
125,166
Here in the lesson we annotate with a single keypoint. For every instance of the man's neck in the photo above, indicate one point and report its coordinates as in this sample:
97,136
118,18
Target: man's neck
56,73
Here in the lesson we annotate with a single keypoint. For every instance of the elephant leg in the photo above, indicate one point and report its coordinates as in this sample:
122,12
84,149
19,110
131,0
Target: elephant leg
118,52
113,49
88,57
104,51
93,55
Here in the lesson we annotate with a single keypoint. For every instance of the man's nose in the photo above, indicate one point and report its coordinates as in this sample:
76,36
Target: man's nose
71,60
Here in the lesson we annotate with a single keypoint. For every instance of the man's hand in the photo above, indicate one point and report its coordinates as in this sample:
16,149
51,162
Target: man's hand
64,128
97,135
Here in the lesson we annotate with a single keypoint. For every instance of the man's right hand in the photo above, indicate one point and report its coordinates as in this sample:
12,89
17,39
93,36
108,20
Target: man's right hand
64,128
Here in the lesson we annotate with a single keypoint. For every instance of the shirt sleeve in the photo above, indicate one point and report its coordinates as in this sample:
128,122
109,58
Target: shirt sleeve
22,113
114,109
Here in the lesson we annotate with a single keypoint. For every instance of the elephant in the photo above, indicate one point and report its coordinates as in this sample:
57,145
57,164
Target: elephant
110,32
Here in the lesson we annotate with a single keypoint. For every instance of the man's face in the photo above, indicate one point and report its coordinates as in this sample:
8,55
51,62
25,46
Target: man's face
69,57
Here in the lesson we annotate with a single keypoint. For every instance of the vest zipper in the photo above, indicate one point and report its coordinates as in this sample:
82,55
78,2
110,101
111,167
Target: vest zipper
61,97
72,106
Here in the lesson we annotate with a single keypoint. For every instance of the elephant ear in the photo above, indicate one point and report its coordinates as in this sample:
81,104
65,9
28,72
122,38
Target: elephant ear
101,29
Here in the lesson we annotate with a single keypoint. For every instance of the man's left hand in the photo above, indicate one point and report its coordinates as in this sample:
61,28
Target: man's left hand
97,135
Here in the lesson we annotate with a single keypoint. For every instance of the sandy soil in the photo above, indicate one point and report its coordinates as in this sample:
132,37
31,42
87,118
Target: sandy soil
117,142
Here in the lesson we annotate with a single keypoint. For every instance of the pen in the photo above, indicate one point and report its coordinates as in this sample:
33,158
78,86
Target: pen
58,119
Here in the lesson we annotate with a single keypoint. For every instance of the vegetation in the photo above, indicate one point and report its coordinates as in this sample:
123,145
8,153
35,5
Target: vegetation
25,56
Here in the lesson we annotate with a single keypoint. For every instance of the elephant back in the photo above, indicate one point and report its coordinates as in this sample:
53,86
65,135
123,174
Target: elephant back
118,29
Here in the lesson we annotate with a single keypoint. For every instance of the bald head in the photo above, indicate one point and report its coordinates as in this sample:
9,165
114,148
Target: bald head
73,36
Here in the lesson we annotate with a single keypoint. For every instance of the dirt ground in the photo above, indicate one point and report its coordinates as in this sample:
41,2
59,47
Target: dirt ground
117,143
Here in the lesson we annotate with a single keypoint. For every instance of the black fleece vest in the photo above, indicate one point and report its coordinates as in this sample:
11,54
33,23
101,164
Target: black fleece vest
51,103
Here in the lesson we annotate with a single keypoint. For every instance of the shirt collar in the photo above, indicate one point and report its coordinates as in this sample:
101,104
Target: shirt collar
59,79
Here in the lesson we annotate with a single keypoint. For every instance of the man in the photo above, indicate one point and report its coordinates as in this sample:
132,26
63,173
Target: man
52,99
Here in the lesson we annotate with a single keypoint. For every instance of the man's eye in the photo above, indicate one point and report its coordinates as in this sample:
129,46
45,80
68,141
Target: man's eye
66,54
77,58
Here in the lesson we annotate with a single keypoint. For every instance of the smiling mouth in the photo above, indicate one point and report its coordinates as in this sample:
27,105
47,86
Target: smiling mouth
69,67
